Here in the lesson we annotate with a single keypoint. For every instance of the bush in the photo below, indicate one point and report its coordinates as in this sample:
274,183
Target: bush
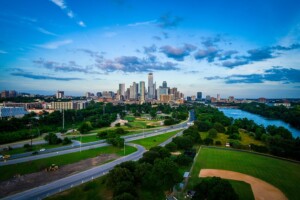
214,188
183,160
218,142
171,146
212,133
219,127
66,140
208,141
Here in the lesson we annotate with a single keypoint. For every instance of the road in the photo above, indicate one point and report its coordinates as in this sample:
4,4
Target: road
88,175
75,147
76,179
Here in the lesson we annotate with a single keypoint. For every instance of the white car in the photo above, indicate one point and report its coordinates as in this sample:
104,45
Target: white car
42,150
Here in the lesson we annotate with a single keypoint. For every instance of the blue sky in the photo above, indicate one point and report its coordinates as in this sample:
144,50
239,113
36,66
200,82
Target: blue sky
233,47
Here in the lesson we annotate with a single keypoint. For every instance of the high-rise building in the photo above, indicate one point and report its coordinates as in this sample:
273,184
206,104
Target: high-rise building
142,91
164,84
162,90
4,94
218,97
134,89
99,94
60,94
151,89
12,93
199,96
122,89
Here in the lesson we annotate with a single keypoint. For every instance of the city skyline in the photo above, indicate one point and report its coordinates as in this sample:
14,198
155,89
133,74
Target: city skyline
233,48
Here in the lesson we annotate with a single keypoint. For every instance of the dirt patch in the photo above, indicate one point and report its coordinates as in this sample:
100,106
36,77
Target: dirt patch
261,189
176,153
28,181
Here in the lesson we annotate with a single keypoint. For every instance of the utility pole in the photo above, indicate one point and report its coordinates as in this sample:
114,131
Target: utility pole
63,119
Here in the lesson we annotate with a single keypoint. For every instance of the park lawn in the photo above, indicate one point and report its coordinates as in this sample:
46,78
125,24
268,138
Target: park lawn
9,171
35,148
155,140
246,139
88,138
280,173
95,189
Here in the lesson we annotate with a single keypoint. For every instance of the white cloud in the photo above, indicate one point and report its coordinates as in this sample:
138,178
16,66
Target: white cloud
70,14
56,44
3,52
62,5
42,30
143,23
59,3
81,23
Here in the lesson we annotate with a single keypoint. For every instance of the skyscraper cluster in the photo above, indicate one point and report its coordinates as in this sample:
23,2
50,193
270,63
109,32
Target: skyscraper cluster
138,92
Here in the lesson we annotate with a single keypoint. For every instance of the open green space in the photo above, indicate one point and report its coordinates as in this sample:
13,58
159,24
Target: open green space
246,139
95,189
9,171
34,148
155,140
282,174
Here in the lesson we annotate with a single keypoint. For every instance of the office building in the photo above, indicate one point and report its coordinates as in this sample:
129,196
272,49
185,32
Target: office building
4,94
218,97
199,96
122,90
142,91
151,87
60,94
134,89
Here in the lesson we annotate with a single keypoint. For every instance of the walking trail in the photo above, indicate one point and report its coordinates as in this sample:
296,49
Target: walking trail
261,189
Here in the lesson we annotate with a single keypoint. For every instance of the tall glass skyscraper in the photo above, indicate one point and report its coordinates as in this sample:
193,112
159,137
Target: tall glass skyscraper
151,91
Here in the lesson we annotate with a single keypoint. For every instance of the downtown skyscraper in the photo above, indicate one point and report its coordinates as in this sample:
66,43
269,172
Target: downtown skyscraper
151,87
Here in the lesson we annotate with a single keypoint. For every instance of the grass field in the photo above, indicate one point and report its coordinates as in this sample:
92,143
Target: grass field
38,165
223,138
282,174
155,140
95,189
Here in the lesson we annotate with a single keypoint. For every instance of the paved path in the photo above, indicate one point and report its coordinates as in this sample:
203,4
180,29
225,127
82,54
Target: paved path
261,189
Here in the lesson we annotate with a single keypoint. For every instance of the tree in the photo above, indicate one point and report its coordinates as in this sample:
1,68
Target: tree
183,160
214,188
85,127
212,133
171,146
66,140
116,141
165,173
183,142
153,113
208,141
219,127
52,138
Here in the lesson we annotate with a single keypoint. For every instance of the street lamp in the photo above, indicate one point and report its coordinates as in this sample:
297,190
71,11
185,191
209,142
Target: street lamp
124,147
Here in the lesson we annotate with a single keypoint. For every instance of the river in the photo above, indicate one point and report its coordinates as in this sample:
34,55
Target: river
237,113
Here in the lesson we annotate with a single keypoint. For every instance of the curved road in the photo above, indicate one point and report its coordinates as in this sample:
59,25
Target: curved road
76,179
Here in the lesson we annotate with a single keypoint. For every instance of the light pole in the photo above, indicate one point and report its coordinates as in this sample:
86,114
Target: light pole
124,147
80,141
